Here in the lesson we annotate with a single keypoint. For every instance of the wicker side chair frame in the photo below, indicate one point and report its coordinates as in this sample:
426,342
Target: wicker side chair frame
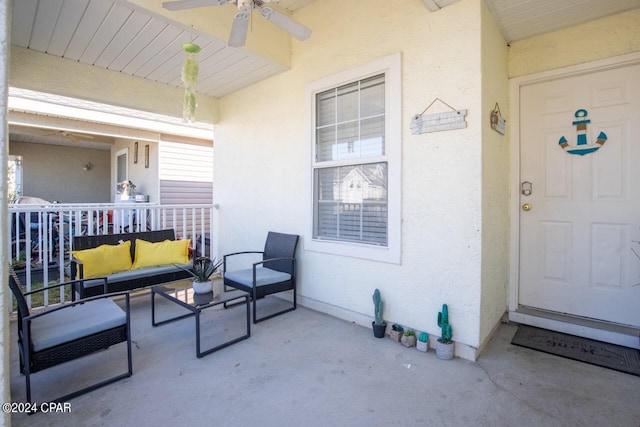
279,254
32,361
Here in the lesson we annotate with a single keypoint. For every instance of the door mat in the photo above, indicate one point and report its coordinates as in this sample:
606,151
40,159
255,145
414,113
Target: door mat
623,359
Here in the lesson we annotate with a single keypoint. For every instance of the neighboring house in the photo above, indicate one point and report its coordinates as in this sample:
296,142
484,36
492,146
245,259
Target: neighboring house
467,211
88,165
64,174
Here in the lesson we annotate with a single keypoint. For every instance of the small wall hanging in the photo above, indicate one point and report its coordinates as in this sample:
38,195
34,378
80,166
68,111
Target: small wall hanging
438,121
582,146
498,123
146,156
135,152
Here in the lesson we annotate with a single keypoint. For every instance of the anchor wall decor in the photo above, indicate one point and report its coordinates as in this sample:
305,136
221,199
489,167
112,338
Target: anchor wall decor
582,146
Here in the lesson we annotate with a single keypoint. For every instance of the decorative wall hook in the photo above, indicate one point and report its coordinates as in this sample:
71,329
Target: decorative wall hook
498,123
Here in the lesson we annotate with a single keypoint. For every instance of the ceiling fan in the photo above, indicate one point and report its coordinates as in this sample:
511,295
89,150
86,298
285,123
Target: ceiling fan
71,136
240,25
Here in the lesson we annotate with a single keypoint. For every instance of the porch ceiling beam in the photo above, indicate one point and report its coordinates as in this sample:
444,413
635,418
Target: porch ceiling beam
36,71
59,107
39,121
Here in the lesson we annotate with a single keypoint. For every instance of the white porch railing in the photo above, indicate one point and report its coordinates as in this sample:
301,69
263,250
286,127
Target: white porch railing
43,235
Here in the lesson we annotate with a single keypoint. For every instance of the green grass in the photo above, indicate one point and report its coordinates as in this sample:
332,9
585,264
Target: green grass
37,299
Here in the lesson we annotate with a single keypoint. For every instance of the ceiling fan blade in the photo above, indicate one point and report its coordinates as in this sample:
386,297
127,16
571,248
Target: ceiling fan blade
240,26
190,4
292,27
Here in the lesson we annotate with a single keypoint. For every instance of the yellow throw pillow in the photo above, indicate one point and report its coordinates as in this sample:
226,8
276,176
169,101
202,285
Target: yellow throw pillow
168,252
105,259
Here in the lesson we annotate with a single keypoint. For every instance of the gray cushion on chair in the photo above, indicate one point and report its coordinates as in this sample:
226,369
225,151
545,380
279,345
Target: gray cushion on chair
264,276
75,322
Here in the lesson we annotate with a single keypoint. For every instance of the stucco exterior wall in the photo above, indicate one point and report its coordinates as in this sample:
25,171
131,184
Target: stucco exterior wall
495,179
54,172
604,38
262,171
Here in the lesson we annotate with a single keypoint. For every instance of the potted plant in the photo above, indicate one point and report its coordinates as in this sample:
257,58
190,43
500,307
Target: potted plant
444,346
396,332
409,338
202,270
423,342
37,269
379,326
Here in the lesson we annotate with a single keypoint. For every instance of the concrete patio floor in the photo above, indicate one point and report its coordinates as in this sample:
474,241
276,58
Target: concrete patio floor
308,368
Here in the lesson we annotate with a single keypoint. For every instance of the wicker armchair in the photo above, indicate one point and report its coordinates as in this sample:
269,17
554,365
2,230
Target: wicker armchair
69,331
275,273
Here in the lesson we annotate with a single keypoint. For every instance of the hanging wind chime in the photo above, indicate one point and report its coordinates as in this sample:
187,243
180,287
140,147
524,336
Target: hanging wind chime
190,69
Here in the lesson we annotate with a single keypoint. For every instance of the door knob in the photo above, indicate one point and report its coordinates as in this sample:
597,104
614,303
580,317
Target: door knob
526,207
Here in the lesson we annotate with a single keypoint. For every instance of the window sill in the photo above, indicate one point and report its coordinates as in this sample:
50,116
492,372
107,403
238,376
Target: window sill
356,250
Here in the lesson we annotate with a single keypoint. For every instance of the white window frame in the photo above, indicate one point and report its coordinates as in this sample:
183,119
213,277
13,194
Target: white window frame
390,66
15,179
122,152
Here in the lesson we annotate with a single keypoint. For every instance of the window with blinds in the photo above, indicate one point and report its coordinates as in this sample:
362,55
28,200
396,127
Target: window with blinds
350,167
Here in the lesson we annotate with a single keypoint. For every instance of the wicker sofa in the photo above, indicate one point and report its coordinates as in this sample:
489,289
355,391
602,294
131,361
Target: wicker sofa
123,280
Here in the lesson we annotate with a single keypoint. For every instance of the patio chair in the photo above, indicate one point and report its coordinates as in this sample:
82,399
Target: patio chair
275,273
69,331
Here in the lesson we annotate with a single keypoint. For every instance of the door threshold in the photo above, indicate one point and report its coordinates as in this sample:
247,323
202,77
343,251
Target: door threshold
588,328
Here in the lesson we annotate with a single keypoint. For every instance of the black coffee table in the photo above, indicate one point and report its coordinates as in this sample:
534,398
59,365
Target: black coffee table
181,293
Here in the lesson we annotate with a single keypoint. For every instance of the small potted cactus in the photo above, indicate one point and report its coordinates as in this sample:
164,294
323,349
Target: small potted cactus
444,346
423,342
396,332
379,326
409,338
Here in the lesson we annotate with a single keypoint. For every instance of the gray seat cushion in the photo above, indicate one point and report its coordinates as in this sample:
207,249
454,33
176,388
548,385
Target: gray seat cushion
123,276
70,323
264,276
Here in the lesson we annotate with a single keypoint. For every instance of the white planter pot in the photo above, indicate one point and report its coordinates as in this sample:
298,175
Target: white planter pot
445,351
422,346
202,287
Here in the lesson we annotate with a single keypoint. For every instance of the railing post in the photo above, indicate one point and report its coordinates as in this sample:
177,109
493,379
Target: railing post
55,225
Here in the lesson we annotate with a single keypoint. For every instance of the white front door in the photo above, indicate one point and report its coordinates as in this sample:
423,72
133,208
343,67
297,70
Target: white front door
579,204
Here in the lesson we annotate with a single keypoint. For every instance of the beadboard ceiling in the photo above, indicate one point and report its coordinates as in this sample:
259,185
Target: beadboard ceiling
116,35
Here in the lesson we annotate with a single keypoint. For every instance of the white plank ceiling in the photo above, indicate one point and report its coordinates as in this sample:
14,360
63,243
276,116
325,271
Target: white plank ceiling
114,35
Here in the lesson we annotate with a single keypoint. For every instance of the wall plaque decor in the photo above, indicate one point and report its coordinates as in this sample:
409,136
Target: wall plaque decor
498,123
454,119
582,146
